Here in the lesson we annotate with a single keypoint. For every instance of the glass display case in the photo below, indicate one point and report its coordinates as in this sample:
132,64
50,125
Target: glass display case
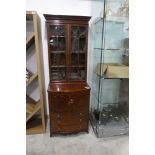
110,82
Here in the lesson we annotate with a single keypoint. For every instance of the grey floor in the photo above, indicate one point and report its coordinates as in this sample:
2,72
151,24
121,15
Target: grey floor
81,144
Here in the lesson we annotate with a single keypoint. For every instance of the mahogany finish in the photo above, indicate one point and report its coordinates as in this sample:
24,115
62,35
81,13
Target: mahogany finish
68,91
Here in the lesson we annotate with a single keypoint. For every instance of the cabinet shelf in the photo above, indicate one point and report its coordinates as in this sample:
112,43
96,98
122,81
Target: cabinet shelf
78,52
77,66
30,40
57,52
58,36
32,78
58,66
79,37
32,109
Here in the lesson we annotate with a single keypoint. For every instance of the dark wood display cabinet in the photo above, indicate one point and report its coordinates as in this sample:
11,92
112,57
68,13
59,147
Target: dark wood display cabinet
68,91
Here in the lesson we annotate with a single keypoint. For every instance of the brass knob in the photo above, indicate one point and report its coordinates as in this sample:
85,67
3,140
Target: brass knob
71,101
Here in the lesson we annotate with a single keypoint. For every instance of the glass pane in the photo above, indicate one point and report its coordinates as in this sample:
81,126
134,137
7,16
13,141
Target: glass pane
78,52
78,73
58,59
57,45
113,35
110,96
78,38
78,59
58,73
97,28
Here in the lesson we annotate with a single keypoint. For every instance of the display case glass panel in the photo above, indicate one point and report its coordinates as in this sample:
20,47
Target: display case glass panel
109,89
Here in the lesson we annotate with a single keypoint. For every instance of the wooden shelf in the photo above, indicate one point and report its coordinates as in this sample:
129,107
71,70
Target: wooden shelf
29,99
35,130
35,115
58,66
30,40
78,52
32,78
58,36
30,37
58,52
32,109
78,66
34,127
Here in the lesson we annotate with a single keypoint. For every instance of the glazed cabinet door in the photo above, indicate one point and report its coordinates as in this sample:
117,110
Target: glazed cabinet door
57,44
78,52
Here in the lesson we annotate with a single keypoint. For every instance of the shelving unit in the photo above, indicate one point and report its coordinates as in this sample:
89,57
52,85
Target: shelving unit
35,119
110,82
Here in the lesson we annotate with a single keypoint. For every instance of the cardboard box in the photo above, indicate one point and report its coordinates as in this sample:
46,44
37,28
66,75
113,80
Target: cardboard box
112,70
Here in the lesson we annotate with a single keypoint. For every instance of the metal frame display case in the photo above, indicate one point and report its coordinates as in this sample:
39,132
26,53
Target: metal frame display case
110,81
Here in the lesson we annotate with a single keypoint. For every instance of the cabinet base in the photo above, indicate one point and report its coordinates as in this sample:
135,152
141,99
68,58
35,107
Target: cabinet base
53,134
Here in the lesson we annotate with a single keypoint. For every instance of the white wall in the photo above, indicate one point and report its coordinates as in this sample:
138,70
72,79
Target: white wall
59,7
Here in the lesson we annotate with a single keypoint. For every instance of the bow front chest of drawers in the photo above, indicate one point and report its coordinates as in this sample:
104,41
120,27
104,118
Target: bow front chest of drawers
68,91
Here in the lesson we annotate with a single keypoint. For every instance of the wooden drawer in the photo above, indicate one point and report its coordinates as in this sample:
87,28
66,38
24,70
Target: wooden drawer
55,128
80,100
68,119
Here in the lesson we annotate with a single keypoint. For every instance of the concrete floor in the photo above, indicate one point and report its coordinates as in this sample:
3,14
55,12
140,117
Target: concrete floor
81,144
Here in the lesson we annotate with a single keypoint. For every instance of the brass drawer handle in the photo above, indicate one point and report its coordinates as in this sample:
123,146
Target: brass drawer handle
71,101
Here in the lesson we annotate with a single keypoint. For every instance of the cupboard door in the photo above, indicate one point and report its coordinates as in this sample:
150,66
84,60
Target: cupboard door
78,51
59,102
81,102
57,52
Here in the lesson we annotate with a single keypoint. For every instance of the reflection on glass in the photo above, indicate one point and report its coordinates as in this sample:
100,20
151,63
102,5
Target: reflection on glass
77,73
57,45
57,30
78,52
78,39
57,38
58,73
